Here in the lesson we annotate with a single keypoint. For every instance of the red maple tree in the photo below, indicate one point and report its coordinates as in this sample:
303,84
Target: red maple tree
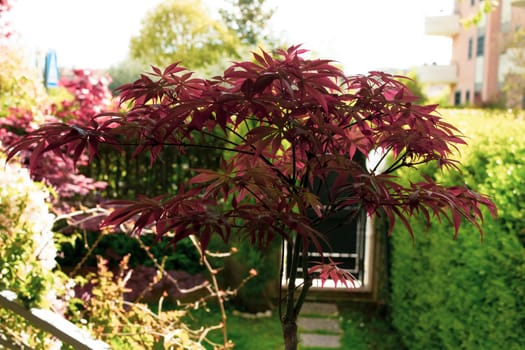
290,128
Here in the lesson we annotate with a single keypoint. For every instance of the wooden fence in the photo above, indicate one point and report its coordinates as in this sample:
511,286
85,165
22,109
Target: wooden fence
129,176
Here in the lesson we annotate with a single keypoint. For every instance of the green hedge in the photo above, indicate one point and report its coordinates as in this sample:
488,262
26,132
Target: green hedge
469,293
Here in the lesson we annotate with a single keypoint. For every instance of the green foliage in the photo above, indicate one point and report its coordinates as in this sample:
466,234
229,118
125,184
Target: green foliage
182,31
366,327
28,251
20,86
468,294
257,294
116,245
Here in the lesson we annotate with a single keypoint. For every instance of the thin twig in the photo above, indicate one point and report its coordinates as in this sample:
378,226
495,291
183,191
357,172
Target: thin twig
88,254
168,276
216,288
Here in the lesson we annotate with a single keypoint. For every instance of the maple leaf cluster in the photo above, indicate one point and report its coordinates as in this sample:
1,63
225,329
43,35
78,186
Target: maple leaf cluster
294,132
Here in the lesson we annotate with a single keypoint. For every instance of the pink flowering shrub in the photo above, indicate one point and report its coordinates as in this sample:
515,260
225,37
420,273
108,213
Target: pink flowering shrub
90,95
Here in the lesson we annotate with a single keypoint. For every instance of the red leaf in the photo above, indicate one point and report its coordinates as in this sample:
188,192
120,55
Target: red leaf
203,176
333,272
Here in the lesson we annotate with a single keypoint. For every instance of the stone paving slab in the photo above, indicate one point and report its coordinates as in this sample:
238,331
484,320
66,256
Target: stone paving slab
319,309
323,318
320,341
319,324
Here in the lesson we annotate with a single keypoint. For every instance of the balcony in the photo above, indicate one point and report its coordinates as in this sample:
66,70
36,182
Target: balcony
518,3
442,25
438,74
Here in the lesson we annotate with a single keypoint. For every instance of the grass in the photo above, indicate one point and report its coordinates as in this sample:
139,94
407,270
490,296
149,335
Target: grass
255,334
367,327
363,328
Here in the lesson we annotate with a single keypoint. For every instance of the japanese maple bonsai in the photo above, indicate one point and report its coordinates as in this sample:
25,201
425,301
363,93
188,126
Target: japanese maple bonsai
286,124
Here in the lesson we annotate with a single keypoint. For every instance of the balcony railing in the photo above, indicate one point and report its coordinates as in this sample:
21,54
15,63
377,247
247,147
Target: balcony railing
442,25
438,74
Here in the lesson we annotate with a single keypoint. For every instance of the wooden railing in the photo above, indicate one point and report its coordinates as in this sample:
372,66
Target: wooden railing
50,322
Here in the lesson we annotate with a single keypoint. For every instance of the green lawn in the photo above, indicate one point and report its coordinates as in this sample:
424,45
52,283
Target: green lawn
362,329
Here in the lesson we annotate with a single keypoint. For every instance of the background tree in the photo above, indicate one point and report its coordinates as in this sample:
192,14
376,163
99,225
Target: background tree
249,19
514,85
292,129
20,84
182,31
124,72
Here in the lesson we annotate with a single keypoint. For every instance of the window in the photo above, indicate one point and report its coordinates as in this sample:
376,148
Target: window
347,233
470,47
467,97
472,2
457,98
480,47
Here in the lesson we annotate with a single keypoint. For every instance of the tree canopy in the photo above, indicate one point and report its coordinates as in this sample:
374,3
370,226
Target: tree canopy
248,18
182,31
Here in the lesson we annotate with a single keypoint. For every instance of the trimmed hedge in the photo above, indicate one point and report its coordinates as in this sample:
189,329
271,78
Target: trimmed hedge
469,293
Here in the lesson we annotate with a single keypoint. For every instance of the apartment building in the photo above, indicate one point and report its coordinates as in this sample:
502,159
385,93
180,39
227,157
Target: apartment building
483,59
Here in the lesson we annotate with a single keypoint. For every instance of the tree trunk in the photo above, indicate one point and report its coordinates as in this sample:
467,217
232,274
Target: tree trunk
290,334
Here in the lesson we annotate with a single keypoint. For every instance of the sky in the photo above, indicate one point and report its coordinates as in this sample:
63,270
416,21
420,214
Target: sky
362,35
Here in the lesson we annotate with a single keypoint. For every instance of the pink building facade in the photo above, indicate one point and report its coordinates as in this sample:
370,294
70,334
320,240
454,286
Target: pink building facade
481,59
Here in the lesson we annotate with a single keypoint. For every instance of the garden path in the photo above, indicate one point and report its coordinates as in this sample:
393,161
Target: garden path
319,326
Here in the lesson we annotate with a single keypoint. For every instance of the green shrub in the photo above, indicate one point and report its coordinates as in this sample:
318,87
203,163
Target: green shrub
469,293
27,253
114,246
258,294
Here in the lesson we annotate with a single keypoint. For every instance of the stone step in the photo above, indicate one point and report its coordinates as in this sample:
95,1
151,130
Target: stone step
312,324
319,326
319,309
310,340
